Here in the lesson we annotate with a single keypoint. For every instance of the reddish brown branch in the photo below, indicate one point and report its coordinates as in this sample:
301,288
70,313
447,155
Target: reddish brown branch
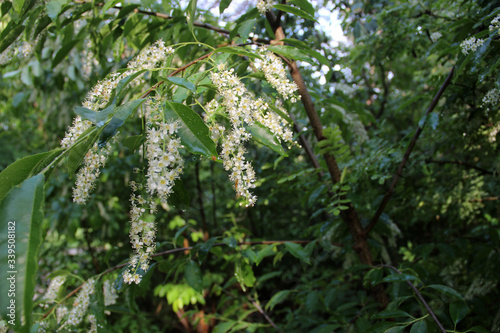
388,195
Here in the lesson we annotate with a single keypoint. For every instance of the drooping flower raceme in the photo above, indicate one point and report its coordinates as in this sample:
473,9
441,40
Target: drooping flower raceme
495,23
142,237
53,289
96,99
165,163
81,304
276,74
471,44
240,107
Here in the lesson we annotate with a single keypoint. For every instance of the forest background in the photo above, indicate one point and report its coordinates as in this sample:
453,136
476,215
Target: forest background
381,213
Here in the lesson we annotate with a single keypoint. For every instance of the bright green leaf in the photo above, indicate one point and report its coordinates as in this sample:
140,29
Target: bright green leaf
193,132
238,50
21,216
295,11
290,52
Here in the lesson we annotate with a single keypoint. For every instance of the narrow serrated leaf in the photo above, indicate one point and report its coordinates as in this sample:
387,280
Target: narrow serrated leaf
193,276
290,52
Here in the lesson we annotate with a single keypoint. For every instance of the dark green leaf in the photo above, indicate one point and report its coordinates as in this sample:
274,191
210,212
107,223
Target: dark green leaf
391,314
11,37
223,327
478,329
263,135
193,276
63,52
295,11
277,298
446,290
190,13
304,5
458,311
182,82
124,83
400,278
193,132
238,50
77,152
419,327
21,216
297,251
86,114
134,142
264,253
290,52
223,5
120,116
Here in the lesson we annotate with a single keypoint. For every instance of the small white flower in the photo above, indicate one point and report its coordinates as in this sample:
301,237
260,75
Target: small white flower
471,44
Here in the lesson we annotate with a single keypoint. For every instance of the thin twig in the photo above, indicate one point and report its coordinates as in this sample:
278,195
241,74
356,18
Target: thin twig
464,164
419,295
269,320
388,195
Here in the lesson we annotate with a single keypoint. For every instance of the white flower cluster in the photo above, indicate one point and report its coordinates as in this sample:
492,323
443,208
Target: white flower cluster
239,106
88,61
53,289
17,49
435,36
109,292
81,303
495,23
87,176
142,237
492,97
93,323
264,6
61,311
96,99
471,44
162,150
276,74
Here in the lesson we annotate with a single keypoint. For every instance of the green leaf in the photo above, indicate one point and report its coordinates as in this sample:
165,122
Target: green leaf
458,311
86,114
263,135
246,27
21,216
190,13
120,116
63,52
419,327
11,37
54,7
18,5
446,290
304,5
277,298
395,329
400,278
230,241
77,152
193,132
134,142
295,11
223,327
109,4
193,276
290,52
238,50
264,253
18,171
182,82
123,83
223,5
297,251
180,197
244,275
391,314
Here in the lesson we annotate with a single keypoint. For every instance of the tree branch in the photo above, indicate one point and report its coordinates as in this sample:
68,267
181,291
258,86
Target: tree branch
269,320
388,195
419,295
464,164
187,249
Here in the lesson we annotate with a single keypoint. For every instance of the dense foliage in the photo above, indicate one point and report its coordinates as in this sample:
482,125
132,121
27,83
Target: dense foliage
178,201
